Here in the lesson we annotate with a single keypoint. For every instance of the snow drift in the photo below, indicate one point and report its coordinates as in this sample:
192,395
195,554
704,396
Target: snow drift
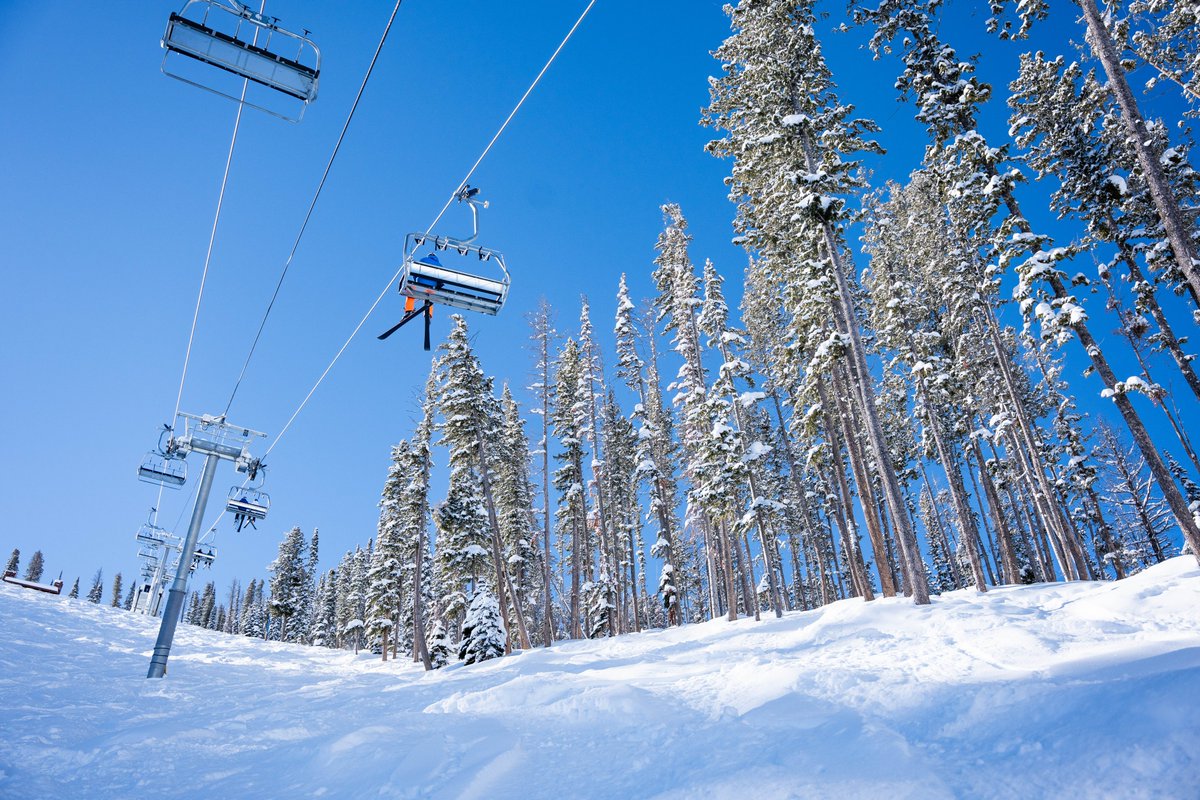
1067,690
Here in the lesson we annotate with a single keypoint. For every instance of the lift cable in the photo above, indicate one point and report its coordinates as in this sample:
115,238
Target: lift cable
312,205
432,225
212,237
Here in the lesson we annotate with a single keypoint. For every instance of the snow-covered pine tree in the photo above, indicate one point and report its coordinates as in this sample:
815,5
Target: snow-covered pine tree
714,323
344,609
33,571
543,344
384,596
234,616
568,479
1041,288
1166,37
793,145
415,522
439,645
513,493
1062,116
95,594
1107,38
14,561
1141,516
705,446
360,568
127,603
206,606
620,447
655,447
289,587
483,635
592,386
917,320
463,548
324,630
470,423
74,593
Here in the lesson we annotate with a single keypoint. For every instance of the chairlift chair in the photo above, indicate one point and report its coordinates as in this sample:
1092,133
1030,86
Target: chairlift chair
426,280
164,466
247,505
151,534
236,39
204,556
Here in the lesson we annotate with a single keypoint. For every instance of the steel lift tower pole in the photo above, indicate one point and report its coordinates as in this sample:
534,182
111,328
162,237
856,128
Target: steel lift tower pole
218,441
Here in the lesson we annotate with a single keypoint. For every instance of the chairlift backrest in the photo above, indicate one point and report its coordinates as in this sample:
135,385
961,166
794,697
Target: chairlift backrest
233,37
453,284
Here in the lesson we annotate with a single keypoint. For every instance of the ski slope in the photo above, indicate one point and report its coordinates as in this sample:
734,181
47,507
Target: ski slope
1080,690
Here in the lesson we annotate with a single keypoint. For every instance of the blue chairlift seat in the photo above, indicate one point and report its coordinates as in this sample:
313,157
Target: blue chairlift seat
428,279
163,470
234,38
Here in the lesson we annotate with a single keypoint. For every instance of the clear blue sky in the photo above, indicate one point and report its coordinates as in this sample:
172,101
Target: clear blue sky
110,177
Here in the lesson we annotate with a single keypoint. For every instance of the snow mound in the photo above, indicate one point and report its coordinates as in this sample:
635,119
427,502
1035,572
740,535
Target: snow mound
1067,690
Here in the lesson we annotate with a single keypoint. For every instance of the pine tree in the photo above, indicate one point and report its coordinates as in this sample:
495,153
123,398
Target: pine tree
470,423
289,586
655,448
33,572
1141,515
386,573
514,506
439,645
794,170
116,591
568,479
74,593
592,380
483,635
14,562
324,630
1167,38
97,591
543,343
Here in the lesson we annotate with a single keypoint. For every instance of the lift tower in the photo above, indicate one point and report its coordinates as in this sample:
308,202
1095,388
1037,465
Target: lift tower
216,440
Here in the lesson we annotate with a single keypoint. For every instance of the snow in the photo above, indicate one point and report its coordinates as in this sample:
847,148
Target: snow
1064,690
755,451
748,399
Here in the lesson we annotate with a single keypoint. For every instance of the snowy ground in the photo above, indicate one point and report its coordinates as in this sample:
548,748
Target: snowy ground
1080,690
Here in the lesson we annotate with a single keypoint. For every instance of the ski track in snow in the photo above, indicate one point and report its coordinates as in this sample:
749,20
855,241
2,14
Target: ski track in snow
1068,690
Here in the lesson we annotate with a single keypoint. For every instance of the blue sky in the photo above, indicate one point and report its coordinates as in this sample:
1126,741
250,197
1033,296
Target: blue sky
111,173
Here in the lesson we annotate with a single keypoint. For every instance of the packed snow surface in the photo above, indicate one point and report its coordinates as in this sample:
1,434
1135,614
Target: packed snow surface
1069,690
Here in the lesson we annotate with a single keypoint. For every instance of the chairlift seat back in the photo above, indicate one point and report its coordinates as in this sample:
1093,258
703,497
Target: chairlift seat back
246,45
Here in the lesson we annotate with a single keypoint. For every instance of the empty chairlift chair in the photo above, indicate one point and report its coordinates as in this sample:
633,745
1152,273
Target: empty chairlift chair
245,44
452,272
164,466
